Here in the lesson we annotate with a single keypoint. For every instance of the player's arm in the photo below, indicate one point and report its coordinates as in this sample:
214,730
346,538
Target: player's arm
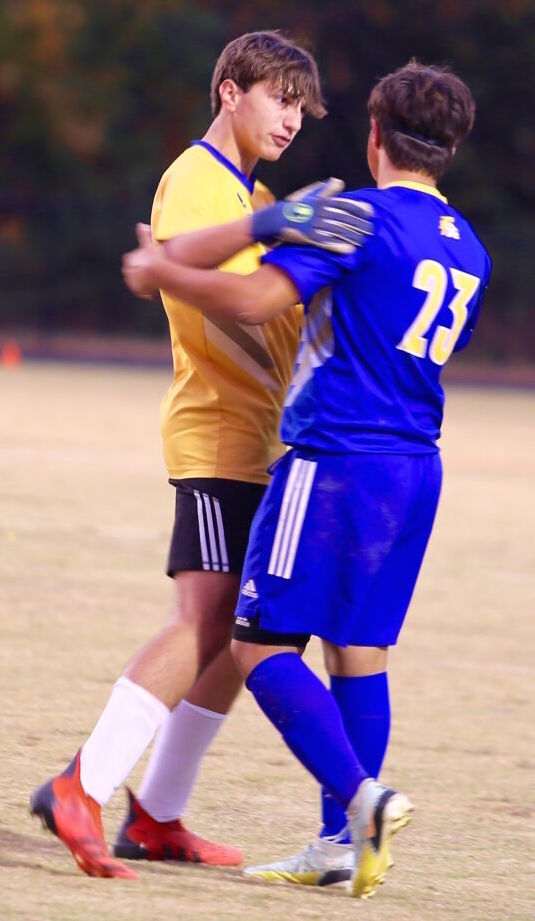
313,216
253,298
206,248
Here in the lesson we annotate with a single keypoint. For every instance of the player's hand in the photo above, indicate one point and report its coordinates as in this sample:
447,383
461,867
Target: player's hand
140,265
316,216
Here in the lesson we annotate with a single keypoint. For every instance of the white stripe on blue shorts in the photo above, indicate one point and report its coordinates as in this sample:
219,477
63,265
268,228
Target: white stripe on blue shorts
292,515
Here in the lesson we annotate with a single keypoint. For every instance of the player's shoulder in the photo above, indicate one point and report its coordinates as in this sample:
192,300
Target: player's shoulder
456,224
396,203
367,195
373,200
262,196
189,181
464,222
191,163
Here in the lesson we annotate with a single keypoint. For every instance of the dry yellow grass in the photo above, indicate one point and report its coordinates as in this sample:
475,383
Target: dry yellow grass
84,524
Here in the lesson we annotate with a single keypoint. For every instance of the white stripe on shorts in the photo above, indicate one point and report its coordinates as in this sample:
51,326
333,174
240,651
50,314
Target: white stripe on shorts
202,533
292,515
286,516
216,566
221,535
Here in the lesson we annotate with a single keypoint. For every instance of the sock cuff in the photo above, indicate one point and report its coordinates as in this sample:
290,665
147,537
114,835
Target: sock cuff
341,680
151,703
202,711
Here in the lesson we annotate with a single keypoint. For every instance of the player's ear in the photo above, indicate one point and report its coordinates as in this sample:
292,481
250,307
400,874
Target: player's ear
375,134
229,94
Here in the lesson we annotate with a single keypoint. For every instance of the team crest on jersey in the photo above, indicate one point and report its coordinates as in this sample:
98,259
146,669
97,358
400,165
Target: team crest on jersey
448,227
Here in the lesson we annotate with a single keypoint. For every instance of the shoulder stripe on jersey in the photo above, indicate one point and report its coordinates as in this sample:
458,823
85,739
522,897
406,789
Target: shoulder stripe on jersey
292,515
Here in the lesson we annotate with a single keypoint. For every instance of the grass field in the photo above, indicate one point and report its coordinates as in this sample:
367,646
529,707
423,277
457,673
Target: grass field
85,515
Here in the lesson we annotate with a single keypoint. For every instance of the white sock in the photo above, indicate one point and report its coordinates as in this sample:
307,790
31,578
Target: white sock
123,732
175,760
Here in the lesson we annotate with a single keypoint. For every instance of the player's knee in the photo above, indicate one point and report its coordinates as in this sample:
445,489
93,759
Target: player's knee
354,661
241,654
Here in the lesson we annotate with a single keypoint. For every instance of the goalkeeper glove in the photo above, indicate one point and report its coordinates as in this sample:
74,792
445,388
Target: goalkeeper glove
315,216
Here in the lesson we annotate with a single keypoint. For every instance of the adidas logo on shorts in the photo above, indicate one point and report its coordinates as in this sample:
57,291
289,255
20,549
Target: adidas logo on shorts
249,589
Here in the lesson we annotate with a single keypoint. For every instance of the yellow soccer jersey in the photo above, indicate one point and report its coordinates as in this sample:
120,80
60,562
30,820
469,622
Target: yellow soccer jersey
220,417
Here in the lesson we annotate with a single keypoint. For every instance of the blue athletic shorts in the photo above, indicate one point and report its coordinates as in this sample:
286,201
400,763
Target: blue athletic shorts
336,546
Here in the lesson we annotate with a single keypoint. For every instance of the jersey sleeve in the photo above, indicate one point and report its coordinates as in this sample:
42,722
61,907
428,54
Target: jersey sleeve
180,206
311,269
262,196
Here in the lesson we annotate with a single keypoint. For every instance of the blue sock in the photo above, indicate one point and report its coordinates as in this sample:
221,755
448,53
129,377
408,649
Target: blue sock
365,707
307,716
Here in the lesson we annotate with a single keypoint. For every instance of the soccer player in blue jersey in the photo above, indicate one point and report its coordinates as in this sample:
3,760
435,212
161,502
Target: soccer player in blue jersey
338,541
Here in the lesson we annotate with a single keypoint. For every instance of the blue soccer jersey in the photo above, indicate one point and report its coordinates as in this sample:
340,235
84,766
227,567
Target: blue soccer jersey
381,323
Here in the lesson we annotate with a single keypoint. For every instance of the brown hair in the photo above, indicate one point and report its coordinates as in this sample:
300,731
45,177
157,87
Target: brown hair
269,56
423,112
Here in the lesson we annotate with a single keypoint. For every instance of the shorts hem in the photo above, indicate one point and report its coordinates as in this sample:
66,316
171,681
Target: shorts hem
261,637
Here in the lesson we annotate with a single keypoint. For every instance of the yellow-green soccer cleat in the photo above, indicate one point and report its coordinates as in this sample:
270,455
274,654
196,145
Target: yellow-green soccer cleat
380,813
321,863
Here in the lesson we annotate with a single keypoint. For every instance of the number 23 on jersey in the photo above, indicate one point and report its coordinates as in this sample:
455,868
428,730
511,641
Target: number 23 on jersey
432,277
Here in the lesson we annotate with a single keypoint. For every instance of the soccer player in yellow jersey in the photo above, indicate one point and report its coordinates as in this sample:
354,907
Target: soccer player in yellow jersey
219,424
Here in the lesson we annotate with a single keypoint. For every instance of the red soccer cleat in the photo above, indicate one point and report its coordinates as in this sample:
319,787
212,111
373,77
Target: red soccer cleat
66,810
143,838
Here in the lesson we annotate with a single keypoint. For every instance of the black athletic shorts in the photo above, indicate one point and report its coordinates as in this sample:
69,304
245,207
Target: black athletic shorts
212,521
248,630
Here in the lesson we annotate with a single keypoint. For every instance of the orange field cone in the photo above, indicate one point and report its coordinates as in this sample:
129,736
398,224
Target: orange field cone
10,356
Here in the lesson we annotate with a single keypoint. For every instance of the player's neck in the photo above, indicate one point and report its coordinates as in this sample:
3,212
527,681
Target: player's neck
388,174
220,136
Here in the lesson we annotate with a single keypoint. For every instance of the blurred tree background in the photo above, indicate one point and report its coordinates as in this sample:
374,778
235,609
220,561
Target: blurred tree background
98,96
